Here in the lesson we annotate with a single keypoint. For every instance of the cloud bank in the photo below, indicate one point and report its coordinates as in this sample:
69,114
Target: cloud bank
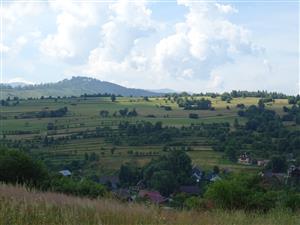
123,42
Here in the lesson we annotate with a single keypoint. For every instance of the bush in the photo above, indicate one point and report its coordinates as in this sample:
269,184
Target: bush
292,201
83,188
241,192
193,116
195,203
17,167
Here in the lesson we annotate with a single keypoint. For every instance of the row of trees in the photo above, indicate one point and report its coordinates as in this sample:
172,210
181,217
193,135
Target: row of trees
194,104
234,94
43,114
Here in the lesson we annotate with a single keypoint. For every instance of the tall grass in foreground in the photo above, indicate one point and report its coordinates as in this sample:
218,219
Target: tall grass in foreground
21,207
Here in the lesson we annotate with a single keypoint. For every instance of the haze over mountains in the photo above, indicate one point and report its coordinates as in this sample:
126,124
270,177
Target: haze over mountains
75,86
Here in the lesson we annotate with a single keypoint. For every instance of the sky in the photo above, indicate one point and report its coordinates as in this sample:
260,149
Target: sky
195,46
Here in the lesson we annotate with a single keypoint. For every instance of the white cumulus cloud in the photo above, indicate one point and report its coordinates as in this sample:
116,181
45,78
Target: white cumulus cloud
204,41
73,21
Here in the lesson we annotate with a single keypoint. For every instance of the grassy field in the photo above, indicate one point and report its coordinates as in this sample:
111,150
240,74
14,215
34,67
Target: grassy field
83,115
21,207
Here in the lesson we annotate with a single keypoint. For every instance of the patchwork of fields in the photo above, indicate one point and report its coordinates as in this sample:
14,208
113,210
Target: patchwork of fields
84,116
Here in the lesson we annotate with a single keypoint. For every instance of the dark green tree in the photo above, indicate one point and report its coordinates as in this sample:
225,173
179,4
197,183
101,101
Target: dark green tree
129,174
113,98
164,181
17,167
278,164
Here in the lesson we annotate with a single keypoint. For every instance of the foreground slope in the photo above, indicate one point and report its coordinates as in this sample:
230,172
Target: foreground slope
19,207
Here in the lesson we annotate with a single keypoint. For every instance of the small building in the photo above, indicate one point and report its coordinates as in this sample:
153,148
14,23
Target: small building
245,159
290,157
271,179
65,173
197,173
139,186
212,177
215,178
153,196
263,162
294,171
190,189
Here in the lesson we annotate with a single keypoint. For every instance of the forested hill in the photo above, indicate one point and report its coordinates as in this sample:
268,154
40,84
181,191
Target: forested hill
75,86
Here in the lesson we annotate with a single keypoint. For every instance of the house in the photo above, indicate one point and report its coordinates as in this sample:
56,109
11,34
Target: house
190,189
273,179
216,177
139,186
65,173
153,196
263,162
290,157
294,172
197,173
245,159
112,182
212,177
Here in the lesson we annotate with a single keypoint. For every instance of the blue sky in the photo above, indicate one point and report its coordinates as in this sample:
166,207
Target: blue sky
182,45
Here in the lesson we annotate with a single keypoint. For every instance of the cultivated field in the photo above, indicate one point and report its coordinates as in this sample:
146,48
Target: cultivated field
83,116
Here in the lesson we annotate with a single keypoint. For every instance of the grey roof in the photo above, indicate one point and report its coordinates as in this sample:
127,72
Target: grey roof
65,173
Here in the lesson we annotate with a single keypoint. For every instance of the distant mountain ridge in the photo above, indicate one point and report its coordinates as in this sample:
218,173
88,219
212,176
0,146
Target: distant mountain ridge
164,90
75,86
17,84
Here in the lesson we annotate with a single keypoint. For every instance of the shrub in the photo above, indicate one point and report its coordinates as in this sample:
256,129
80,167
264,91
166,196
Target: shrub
17,167
195,203
193,116
241,192
292,201
82,188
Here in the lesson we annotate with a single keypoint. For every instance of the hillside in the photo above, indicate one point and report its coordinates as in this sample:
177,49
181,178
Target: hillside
80,131
75,86
19,207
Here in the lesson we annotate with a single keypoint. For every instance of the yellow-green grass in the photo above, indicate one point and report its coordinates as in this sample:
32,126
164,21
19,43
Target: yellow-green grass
19,206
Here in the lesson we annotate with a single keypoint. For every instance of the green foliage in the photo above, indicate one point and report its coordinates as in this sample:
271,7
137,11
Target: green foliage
126,113
163,181
44,113
178,200
194,104
80,188
226,97
278,164
193,116
113,98
241,192
169,171
129,174
17,167
292,201
104,113
195,203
